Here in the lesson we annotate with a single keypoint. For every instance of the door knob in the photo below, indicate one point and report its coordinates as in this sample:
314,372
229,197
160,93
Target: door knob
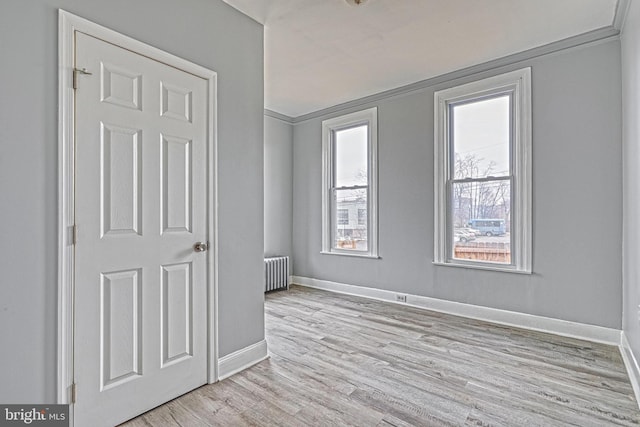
200,247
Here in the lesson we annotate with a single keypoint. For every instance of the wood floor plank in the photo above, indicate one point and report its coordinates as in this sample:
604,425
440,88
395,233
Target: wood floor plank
339,360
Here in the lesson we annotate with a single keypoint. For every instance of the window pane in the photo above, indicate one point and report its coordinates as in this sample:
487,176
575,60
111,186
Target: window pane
480,138
342,216
351,225
351,156
362,216
481,221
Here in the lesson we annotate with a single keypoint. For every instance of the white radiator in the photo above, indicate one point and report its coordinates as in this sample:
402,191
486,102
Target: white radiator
276,273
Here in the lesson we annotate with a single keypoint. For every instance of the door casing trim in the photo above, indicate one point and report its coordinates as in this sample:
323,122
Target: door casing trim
68,24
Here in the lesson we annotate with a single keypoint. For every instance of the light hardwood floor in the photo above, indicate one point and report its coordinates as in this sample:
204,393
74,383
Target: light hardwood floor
339,360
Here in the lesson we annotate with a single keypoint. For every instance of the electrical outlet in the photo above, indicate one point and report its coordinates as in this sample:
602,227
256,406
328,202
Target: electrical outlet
401,298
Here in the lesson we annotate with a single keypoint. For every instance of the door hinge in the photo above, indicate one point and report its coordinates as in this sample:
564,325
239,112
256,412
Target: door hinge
74,234
77,71
74,391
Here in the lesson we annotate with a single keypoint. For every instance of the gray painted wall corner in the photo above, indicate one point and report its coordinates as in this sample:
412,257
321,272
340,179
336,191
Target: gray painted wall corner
631,156
278,187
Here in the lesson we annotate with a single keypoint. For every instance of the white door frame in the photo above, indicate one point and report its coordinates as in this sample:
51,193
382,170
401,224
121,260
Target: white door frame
67,25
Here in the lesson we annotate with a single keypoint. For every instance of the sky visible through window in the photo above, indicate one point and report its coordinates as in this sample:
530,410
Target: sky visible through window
351,157
481,130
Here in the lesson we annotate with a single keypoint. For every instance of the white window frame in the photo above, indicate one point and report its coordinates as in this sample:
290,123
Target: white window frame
367,117
518,85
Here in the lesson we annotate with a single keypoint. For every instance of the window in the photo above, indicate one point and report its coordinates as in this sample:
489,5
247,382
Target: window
349,196
343,216
483,174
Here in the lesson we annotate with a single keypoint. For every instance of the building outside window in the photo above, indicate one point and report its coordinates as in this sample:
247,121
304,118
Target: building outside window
362,216
343,216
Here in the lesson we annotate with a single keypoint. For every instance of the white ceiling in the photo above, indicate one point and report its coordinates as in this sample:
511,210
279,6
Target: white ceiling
320,53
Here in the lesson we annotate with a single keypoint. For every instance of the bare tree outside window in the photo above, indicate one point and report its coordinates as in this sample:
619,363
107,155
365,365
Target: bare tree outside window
486,199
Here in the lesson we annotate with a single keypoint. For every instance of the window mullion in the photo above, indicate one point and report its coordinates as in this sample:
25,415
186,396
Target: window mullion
352,187
485,179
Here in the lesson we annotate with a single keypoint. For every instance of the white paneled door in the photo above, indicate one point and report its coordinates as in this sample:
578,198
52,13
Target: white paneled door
141,215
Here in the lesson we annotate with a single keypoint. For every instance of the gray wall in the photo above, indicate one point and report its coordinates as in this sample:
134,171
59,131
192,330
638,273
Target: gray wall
278,187
577,198
631,155
207,32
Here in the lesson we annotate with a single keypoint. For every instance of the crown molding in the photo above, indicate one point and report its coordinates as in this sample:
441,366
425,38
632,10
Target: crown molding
278,116
599,35
620,17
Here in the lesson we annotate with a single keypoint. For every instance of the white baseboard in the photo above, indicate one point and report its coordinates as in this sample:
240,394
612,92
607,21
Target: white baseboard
503,317
631,363
242,359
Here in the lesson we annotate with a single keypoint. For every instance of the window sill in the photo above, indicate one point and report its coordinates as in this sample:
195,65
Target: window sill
483,267
349,254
